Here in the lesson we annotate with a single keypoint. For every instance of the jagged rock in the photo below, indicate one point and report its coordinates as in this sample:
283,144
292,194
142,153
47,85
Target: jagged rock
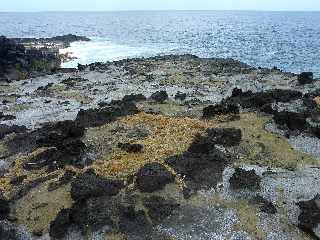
159,208
294,121
219,109
81,67
89,185
71,82
309,217
305,78
134,98
45,158
160,96
153,177
4,208
131,148
180,96
4,117
59,226
93,213
99,117
264,205
242,179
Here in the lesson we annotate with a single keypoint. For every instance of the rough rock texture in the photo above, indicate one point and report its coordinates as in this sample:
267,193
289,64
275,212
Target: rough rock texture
305,78
220,109
59,227
160,96
243,179
153,177
309,217
89,185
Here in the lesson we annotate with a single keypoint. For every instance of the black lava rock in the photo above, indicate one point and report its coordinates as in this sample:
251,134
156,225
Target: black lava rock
309,217
180,96
134,98
89,185
5,130
131,148
305,78
4,208
243,179
294,121
153,177
225,136
159,208
220,109
264,205
59,226
160,96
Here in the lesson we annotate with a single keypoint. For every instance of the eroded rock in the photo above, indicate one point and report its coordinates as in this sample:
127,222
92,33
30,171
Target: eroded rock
242,179
160,96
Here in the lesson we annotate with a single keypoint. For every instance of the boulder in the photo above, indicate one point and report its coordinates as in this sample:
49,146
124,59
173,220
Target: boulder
264,205
160,96
309,217
59,226
220,109
153,177
242,179
134,98
10,231
5,130
107,114
180,96
305,78
225,136
90,185
159,208
4,208
294,121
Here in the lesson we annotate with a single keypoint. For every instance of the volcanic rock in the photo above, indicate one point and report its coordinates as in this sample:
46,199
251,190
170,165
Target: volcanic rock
242,179
160,96
305,78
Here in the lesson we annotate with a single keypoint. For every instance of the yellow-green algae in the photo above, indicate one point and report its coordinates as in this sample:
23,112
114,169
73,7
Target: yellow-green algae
169,136
262,148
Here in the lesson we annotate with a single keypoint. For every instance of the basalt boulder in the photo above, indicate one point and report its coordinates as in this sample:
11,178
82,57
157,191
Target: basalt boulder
107,114
5,130
220,109
131,148
4,208
242,179
309,217
153,177
305,78
294,121
160,96
90,185
59,226
134,98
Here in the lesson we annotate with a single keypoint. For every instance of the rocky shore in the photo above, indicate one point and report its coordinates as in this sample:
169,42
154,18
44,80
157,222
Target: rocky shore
170,147
22,58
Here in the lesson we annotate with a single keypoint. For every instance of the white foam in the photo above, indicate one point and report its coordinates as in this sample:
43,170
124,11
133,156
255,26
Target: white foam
102,50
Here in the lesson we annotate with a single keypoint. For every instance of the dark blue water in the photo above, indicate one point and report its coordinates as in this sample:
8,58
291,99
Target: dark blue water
288,40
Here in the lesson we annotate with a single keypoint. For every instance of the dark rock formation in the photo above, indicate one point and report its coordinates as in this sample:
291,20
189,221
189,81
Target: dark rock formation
4,208
131,148
160,96
264,205
9,231
180,96
71,82
99,117
5,130
294,121
153,177
309,217
17,63
159,208
65,179
59,227
220,109
90,185
134,98
305,78
4,117
243,179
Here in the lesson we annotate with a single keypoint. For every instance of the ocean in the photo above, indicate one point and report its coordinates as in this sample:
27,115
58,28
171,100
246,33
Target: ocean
287,40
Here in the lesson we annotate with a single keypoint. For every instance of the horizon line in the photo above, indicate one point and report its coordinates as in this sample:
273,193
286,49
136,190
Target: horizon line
163,10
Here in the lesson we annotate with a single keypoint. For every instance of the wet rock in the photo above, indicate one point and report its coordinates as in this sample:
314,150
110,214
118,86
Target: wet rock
160,96
99,117
309,217
134,98
242,179
305,78
160,208
180,96
264,205
153,177
4,208
294,121
89,185
59,226
131,148
219,109
9,231
5,130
